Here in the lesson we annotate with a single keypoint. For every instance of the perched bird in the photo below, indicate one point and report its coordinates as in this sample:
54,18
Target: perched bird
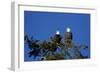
57,37
68,38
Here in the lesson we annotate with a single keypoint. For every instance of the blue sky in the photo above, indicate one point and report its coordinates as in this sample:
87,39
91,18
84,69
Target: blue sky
43,25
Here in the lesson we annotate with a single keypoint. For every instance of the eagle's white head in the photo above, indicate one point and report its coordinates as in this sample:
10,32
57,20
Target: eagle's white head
57,32
68,29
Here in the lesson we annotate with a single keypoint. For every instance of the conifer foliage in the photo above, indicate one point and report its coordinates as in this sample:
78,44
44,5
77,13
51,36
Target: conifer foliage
55,48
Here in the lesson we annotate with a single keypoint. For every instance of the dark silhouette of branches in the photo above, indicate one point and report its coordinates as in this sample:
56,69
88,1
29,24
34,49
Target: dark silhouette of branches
48,48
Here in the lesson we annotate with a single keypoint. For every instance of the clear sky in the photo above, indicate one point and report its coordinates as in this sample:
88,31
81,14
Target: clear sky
43,25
